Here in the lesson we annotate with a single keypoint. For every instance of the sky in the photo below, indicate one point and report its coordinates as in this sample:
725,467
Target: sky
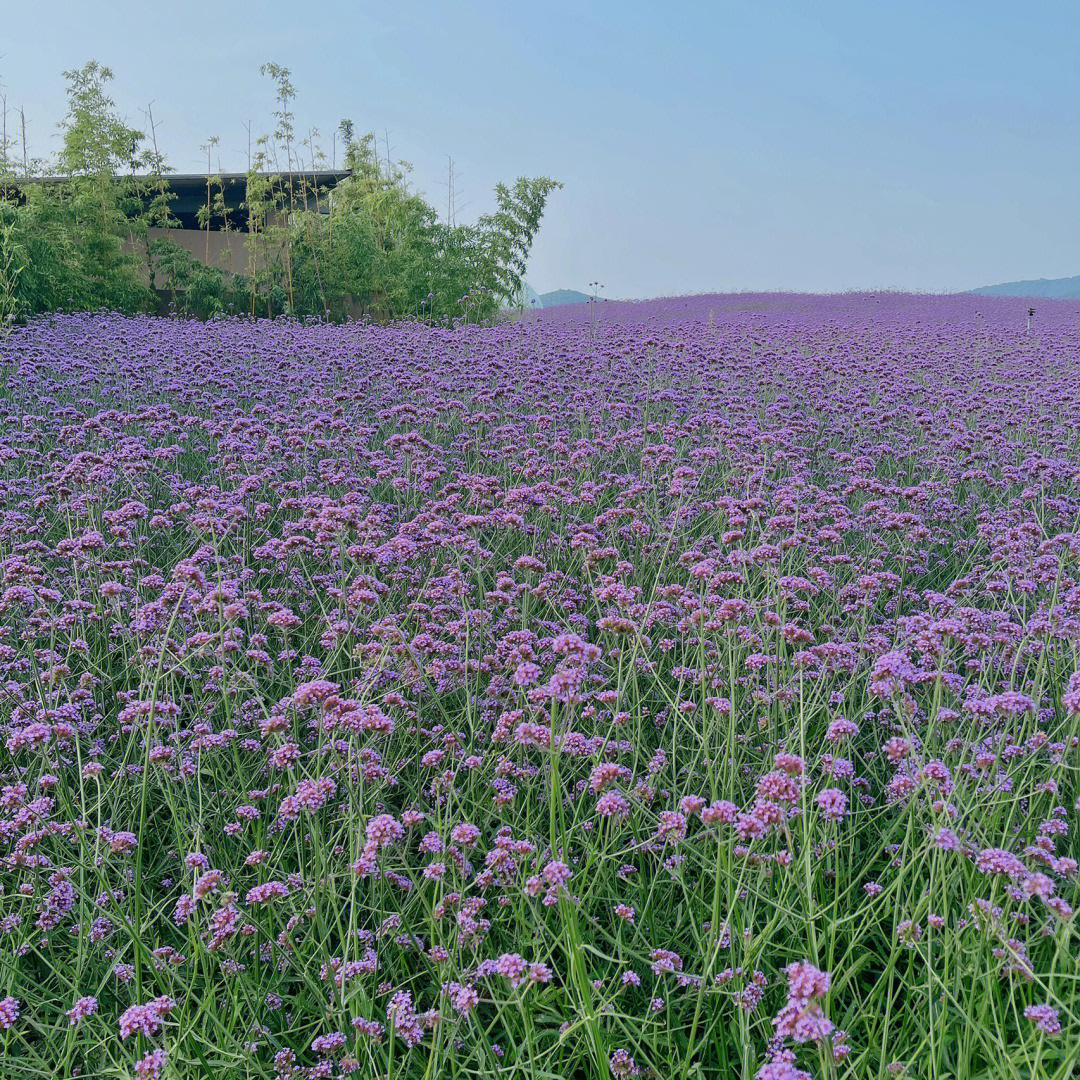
702,146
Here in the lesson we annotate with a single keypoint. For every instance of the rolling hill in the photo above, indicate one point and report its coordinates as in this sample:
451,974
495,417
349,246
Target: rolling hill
1055,288
563,296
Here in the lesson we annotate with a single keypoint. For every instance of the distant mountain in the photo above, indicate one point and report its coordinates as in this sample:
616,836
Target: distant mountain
563,296
527,297
1064,288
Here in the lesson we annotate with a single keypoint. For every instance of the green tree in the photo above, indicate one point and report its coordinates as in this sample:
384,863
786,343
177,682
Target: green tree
372,247
509,233
101,192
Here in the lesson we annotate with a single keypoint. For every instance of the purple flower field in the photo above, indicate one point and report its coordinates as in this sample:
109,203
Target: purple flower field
686,690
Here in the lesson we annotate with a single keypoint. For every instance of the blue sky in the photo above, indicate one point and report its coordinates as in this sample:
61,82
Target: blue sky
703,146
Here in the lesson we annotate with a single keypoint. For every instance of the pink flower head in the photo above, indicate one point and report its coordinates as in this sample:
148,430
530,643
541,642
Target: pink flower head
384,830
9,1012
1045,1018
832,803
149,1067
84,1007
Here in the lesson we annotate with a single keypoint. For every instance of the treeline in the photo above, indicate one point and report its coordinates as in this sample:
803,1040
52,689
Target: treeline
89,229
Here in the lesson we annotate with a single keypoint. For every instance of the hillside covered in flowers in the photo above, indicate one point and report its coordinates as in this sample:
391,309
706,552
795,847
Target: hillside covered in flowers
680,690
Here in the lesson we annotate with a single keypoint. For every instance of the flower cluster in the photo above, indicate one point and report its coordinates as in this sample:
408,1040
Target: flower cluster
643,694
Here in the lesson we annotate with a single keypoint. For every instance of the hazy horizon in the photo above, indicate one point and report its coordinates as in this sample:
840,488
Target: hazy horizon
711,149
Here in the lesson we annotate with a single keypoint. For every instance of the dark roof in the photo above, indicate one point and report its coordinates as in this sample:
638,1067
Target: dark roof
189,190
182,181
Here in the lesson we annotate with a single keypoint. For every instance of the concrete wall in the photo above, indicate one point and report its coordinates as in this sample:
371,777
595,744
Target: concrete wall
223,249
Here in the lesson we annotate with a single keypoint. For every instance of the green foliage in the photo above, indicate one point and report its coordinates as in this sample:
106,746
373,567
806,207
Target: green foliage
69,242
37,252
509,232
103,194
375,246
197,289
372,247
11,268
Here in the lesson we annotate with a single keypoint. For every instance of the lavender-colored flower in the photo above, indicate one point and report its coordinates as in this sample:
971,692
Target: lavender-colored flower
83,1007
1045,1018
497,631
9,1012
